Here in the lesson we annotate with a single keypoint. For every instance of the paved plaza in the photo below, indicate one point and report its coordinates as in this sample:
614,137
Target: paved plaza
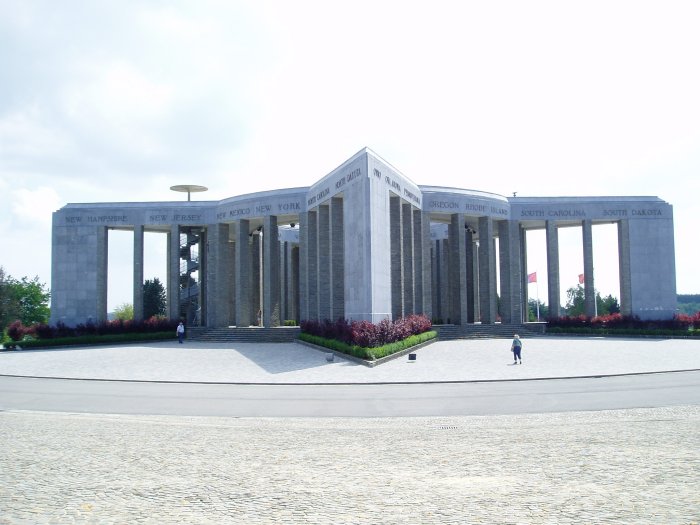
632,466
462,360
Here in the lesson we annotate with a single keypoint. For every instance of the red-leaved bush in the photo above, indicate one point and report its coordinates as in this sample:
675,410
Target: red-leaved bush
17,330
366,334
617,320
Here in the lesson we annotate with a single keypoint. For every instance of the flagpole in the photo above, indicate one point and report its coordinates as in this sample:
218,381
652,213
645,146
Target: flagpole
537,290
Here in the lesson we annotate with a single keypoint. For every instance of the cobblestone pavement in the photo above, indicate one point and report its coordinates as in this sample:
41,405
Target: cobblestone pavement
625,467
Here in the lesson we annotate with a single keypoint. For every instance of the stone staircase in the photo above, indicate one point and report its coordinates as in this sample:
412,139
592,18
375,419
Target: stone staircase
287,334
449,332
252,334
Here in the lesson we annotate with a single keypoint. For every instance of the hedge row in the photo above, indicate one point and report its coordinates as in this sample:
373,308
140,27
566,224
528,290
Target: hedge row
17,331
90,340
618,321
589,330
369,354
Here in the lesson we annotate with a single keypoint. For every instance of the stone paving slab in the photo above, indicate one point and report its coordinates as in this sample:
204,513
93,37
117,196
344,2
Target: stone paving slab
620,467
464,360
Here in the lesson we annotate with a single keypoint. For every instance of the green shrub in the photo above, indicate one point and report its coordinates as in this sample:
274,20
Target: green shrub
290,322
369,354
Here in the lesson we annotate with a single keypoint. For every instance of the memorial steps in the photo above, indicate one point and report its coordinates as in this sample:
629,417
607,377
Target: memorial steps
287,334
250,334
449,332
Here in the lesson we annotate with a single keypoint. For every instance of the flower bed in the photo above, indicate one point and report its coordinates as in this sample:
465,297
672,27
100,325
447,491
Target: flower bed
368,340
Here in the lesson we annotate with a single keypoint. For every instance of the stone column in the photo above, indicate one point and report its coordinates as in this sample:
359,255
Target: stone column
242,273
256,254
487,271
324,262
623,248
217,265
271,272
473,279
435,277
588,284
284,280
303,313
294,295
337,260
523,282
396,257
102,272
138,273
509,247
422,266
458,269
553,281
312,265
174,272
407,257
444,274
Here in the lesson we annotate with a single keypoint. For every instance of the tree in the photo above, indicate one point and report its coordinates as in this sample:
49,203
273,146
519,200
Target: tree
576,304
607,305
124,312
24,300
154,299
575,301
532,310
8,302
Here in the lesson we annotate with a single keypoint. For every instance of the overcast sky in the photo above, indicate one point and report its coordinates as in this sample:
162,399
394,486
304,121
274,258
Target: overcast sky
117,101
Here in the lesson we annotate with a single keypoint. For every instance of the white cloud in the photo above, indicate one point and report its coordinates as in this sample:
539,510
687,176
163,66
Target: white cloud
35,206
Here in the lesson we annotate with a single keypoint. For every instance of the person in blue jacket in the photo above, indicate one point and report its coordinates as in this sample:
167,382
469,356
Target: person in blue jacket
516,348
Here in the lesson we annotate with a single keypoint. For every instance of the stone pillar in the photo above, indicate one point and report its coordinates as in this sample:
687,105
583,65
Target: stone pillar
407,257
324,262
242,273
396,257
218,261
271,272
174,272
303,313
435,277
312,265
138,273
475,276
102,272
588,284
256,254
487,271
284,280
509,248
523,265
337,260
445,301
471,278
458,269
623,248
422,266
294,295
553,280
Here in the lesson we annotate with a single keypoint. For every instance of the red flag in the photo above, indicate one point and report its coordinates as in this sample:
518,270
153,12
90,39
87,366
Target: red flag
532,277
580,278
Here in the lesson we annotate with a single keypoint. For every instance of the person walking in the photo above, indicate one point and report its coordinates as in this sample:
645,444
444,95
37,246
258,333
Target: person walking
516,348
180,332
